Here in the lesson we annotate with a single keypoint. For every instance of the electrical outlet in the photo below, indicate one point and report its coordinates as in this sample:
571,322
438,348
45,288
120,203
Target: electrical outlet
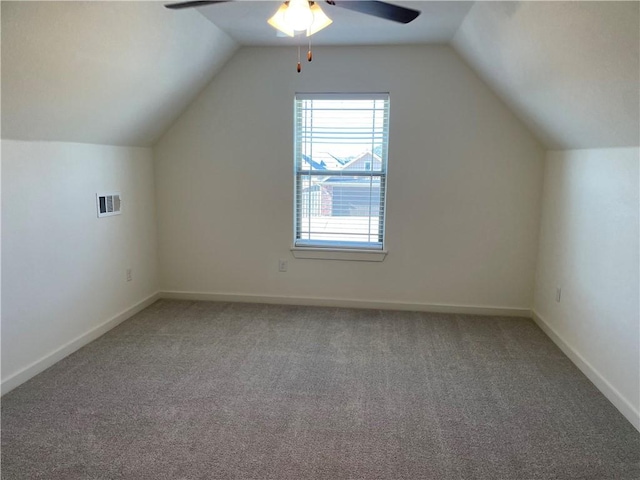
282,265
558,294
129,275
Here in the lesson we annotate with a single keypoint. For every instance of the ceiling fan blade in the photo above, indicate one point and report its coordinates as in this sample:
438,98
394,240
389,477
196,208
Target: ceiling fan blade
196,3
385,10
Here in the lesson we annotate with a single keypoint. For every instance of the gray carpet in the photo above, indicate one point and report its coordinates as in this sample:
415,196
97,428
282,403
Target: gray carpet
199,390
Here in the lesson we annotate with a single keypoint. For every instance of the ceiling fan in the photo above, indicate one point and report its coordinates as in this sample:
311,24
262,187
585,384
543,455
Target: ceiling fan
385,10
300,16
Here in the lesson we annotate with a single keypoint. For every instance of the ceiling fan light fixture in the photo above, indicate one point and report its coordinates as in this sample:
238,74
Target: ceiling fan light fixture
298,15
320,20
278,22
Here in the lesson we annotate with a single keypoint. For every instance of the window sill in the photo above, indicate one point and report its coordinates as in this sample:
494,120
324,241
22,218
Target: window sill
346,254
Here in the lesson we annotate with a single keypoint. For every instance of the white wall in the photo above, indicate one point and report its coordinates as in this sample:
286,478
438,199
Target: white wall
589,247
465,180
63,269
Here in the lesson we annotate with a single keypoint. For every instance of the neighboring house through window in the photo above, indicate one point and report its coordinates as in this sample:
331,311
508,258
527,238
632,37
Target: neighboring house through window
341,143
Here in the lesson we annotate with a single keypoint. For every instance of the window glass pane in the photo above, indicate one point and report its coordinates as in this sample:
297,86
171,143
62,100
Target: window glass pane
341,162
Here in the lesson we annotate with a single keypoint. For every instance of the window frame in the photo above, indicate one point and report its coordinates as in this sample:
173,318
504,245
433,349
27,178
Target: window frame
330,249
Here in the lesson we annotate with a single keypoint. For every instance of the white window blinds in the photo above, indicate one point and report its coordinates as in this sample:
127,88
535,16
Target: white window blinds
340,170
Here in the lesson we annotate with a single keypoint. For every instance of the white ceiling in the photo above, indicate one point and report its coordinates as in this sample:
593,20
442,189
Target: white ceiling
569,69
116,73
120,73
246,22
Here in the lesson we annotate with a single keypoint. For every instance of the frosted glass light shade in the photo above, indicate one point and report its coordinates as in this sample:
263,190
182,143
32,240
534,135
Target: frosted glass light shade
278,22
320,20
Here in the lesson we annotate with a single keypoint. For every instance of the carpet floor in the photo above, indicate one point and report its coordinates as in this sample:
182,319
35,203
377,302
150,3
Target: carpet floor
203,390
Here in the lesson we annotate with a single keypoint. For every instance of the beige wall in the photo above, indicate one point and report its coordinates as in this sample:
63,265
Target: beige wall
464,185
63,269
589,247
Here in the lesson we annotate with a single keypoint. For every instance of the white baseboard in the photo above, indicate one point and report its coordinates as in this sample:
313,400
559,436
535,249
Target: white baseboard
625,407
348,303
50,359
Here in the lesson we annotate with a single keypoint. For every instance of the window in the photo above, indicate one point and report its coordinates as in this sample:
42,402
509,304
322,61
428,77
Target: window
340,170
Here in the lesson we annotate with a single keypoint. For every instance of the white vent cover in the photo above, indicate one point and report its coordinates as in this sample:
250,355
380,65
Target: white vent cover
108,204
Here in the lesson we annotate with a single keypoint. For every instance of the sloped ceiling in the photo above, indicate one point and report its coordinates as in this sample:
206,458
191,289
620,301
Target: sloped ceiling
115,73
568,69
120,73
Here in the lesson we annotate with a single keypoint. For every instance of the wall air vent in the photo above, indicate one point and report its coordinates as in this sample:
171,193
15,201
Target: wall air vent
108,204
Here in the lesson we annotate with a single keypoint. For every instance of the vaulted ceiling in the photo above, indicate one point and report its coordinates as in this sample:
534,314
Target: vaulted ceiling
120,73
569,69
116,73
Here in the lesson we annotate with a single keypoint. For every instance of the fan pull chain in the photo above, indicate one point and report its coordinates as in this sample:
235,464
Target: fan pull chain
299,67
309,54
